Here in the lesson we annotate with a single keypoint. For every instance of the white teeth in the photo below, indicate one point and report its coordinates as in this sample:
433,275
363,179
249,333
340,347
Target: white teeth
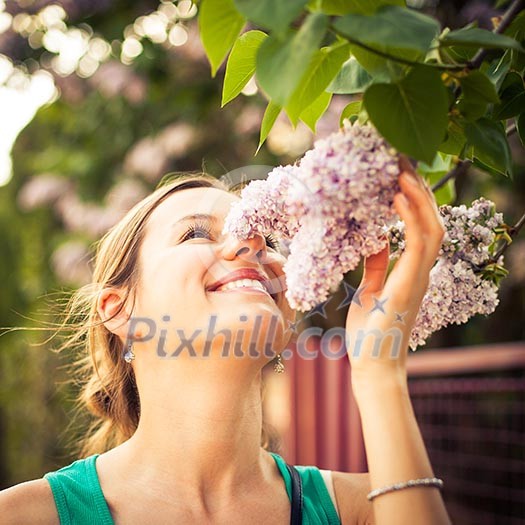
241,283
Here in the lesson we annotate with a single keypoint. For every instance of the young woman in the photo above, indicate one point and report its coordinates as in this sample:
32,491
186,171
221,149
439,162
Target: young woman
179,430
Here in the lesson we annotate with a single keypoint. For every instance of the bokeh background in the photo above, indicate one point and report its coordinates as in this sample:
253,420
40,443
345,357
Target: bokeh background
98,100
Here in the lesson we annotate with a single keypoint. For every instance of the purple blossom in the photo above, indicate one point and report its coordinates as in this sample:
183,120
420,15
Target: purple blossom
263,207
455,293
470,231
333,206
456,290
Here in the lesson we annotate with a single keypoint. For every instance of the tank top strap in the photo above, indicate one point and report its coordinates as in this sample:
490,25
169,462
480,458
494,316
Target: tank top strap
80,501
318,507
78,495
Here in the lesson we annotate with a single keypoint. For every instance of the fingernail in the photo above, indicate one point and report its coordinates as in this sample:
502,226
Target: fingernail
411,178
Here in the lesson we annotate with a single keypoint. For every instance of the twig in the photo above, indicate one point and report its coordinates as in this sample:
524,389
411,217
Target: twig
511,129
505,22
459,170
513,231
388,56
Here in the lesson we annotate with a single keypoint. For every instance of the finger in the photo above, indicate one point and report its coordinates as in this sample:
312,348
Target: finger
431,195
421,247
408,169
413,233
420,202
375,271
406,166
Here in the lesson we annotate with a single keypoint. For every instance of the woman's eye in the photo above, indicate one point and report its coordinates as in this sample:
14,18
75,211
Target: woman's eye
271,242
196,232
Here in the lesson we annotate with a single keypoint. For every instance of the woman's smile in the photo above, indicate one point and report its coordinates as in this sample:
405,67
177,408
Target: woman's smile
244,289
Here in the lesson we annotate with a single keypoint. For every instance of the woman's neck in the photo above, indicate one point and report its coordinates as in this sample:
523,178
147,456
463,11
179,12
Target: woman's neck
201,440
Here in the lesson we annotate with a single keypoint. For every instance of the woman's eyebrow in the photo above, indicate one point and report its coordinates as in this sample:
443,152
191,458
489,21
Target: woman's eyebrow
196,216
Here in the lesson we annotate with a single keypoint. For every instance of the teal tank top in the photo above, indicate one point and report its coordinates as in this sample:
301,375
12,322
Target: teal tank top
80,501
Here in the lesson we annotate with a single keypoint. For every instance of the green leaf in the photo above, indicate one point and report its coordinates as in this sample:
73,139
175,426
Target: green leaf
219,25
282,62
361,7
490,145
441,163
455,139
457,54
271,14
512,97
316,109
323,66
397,30
497,71
476,37
411,114
435,171
510,79
484,167
351,110
380,68
373,63
520,125
477,93
447,193
270,116
478,84
516,30
241,64
363,117
352,78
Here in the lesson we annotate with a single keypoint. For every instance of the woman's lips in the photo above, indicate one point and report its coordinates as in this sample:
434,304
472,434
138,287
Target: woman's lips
247,289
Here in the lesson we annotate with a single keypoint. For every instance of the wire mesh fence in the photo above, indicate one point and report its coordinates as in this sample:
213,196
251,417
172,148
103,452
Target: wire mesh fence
474,430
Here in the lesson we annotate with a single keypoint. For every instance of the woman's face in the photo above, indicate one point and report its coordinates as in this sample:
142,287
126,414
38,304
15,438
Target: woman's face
181,258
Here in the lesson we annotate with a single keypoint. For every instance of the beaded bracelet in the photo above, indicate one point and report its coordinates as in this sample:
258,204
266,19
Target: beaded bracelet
422,482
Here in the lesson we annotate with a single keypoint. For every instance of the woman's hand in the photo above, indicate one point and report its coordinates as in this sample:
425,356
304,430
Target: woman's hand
382,314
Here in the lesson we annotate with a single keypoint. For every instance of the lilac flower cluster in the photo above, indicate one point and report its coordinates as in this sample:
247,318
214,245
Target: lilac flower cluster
332,207
457,288
263,208
470,232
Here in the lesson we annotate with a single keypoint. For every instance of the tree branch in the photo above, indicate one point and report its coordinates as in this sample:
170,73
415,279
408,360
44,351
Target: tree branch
388,56
505,22
459,170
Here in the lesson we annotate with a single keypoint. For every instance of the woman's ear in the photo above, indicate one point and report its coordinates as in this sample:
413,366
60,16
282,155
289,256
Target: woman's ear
110,300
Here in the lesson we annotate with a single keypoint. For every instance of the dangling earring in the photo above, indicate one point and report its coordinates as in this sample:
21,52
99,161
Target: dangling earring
129,355
279,365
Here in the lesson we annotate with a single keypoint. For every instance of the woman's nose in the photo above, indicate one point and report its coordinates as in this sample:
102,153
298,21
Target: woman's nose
253,249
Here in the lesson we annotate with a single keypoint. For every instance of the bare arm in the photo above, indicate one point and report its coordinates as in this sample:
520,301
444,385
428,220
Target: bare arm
30,502
350,492
394,447
396,452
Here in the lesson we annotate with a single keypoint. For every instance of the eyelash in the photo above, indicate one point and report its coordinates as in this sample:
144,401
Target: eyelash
203,228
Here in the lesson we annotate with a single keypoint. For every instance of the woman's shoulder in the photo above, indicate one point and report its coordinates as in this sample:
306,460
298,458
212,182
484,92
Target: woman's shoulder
29,502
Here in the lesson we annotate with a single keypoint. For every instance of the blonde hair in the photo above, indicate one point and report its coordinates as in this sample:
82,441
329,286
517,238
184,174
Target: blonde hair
107,383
